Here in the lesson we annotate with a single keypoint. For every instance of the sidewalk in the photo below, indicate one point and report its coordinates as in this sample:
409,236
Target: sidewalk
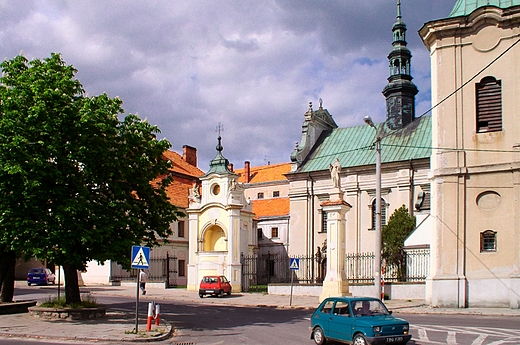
118,327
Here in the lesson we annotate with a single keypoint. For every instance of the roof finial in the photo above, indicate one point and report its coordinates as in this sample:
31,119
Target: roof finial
321,104
219,128
398,10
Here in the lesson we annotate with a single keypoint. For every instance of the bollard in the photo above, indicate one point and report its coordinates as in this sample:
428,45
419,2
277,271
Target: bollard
157,314
151,307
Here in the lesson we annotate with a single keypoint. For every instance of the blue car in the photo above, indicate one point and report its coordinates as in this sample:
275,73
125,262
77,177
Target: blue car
358,321
40,276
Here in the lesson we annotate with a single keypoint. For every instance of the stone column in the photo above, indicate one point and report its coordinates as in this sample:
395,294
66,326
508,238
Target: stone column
335,282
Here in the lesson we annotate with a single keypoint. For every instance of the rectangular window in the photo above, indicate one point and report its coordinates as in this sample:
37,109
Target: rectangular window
323,221
489,105
180,228
488,241
274,232
260,196
182,268
260,233
276,194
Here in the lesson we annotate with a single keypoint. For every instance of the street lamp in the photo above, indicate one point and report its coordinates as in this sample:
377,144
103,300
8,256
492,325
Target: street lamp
377,248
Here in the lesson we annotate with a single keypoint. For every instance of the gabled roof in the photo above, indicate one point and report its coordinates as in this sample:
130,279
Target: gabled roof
275,207
265,173
353,146
184,175
181,166
465,7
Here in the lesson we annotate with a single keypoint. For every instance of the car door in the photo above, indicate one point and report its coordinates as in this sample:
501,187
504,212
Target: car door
340,324
322,316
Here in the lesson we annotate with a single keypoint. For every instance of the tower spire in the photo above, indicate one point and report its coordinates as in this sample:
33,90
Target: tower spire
400,91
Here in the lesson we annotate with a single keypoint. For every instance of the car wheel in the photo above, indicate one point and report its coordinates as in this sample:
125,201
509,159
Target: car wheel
221,293
359,339
318,336
229,292
201,295
29,284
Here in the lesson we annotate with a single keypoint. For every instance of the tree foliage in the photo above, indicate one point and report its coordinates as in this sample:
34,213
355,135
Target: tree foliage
76,183
399,227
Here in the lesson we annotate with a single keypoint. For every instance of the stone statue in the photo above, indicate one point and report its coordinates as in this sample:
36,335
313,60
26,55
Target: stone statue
194,193
335,169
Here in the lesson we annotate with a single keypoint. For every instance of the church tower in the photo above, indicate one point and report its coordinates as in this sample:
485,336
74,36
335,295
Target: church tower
400,91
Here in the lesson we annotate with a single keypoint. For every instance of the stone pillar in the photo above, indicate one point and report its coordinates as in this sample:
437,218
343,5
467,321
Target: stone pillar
335,282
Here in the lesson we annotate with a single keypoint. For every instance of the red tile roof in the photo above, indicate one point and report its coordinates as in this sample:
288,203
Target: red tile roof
265,173
275,207
184,175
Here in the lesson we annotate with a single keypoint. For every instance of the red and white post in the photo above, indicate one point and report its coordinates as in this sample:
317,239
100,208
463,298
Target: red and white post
157,314
151,307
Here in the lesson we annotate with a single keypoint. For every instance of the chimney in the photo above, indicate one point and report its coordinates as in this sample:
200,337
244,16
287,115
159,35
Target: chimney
247,172
189,155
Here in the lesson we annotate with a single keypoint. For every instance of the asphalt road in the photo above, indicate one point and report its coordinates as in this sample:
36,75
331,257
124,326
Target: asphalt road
212,324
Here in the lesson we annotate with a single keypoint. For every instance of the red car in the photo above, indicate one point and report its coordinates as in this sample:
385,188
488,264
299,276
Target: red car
214,285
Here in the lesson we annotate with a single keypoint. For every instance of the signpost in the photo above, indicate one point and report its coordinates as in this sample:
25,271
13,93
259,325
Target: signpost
294,265
140,260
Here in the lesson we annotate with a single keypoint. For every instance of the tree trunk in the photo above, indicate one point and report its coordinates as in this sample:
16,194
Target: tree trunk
7,265
72,294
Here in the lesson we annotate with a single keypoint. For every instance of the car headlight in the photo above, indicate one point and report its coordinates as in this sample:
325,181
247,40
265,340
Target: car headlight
405,329
377,329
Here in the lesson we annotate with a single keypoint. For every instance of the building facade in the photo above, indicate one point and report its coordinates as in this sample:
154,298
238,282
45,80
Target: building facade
476,160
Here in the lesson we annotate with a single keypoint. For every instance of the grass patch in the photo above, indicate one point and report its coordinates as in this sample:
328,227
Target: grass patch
86,302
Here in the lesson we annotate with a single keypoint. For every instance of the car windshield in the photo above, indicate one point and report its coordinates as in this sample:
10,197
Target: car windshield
37,271
368,308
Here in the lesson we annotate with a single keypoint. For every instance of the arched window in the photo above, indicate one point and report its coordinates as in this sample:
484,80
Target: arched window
383,213
489,105
488,241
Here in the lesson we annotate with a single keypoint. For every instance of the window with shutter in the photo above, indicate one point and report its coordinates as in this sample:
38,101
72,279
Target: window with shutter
489,105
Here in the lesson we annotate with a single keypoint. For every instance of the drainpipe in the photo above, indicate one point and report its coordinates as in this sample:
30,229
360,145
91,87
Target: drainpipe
312,225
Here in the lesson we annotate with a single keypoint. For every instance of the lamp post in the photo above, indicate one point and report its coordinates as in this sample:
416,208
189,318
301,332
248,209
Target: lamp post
377,247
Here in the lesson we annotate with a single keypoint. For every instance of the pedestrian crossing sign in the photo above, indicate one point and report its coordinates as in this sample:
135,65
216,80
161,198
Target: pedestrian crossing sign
140,257
294,264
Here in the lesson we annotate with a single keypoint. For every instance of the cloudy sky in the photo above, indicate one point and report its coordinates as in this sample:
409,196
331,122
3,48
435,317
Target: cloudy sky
254,66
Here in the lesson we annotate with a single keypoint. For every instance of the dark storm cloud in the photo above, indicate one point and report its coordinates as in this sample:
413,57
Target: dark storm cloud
252,65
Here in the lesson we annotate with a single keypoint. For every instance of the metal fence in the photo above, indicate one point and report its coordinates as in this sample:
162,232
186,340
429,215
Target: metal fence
260,270
161,269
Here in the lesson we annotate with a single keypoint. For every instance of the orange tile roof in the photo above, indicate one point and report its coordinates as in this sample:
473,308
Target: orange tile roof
184,175
265,173
275,207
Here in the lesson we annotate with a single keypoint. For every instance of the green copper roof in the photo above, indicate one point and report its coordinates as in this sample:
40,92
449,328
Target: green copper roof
465,7
353,146
219,164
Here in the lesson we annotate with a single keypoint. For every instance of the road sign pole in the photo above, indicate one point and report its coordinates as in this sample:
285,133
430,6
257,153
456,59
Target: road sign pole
137,306
292,278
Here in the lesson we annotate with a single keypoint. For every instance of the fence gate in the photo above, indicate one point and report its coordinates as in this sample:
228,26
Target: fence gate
161,270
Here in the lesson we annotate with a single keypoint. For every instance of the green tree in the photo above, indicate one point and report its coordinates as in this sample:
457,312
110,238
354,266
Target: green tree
76,183
399,227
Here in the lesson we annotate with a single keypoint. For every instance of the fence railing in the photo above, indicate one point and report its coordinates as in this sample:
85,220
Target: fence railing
259,270
161,269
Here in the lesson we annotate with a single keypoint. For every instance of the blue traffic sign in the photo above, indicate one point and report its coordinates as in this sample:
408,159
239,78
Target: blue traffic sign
294,264
140,257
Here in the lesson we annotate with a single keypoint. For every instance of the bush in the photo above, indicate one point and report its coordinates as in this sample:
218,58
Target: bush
86,302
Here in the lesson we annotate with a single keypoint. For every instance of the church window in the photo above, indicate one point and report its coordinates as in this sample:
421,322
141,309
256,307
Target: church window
488,241
383,213
260,196
182,268
274,232
489,105
276,194
260,233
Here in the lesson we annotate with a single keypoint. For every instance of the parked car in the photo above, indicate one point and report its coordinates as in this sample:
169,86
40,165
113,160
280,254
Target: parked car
357,321
40,276
214,285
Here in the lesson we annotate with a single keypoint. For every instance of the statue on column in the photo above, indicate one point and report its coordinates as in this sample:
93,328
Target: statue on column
335,169
194,194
